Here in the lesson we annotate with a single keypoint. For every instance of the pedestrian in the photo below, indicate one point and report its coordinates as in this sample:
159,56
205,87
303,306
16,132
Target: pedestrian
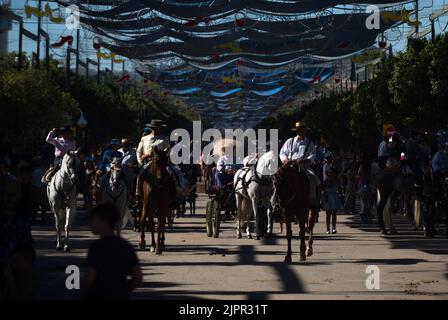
18,279
331,199
110,260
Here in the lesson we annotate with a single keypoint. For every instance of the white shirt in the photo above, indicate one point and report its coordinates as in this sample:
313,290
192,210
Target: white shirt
294,149
129,156
382,149
223,164
147,143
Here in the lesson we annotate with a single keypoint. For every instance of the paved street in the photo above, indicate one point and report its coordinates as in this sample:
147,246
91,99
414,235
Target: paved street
195,266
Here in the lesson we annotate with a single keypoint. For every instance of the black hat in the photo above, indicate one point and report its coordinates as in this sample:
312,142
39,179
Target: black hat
156,124
64,128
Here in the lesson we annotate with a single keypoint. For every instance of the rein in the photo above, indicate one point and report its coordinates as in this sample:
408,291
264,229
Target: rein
111,196
62,194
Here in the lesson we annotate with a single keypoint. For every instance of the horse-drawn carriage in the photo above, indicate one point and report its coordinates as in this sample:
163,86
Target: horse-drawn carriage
222,199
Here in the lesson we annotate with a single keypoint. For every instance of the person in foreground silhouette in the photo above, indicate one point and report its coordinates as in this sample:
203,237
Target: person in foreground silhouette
110,260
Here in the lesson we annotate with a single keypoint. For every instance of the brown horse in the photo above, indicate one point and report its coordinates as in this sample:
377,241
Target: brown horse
158,191
292,195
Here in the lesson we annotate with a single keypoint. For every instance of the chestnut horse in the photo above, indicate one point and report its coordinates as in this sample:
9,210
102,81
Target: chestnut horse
291,194
158,191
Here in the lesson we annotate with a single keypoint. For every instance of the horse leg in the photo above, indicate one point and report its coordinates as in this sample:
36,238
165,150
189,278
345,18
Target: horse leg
161,229
58,220
311,222
256,217
270,220
239,215
389,223
247,209
288,258
70,216
152,229
302,239
142,243
384,196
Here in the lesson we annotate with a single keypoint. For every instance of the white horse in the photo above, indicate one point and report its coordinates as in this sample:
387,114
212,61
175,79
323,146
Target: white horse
253,188
115,191
61,193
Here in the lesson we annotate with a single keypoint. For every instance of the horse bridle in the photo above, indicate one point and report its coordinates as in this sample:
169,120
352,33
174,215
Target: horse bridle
64,194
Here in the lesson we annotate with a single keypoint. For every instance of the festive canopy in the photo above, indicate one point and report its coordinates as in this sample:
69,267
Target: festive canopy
237,61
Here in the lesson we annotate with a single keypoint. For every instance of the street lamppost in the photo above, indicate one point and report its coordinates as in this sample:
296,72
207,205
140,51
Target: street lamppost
82,124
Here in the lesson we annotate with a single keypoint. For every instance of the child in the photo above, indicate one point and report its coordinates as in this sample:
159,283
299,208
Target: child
332,201
110,259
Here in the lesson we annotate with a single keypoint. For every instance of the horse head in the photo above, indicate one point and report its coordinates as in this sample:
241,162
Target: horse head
115,172
71,166
161,157
278,187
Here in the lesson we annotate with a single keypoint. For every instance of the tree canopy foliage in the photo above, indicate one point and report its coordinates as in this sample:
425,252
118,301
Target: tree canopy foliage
409,91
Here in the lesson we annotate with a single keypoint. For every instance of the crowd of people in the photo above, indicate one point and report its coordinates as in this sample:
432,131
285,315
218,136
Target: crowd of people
342,177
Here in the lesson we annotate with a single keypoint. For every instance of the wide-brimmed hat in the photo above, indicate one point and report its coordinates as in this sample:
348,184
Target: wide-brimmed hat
23,164
115,142
299,125
156,124
64,128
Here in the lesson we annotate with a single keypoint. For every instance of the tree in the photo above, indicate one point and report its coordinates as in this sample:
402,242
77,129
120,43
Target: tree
31,104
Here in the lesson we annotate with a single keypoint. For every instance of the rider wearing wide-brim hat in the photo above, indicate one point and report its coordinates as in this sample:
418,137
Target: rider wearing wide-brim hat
110,153
301,150
145,150
62,144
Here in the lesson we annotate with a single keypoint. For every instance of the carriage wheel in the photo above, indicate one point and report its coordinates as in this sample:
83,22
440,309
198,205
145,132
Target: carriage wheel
208,219
215,219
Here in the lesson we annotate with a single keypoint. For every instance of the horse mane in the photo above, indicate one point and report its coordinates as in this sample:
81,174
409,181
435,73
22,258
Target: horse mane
264,165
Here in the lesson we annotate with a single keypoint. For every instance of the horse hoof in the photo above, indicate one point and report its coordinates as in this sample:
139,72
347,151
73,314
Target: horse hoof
142,245
288,259
66,248
309,252
302,258
153,249
249,236
239,236
159,252
257,238
59,248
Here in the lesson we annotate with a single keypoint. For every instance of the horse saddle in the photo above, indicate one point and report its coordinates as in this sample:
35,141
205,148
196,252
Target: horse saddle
46,178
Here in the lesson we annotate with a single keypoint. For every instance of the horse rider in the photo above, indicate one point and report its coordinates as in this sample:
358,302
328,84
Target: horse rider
225,167
61,146
145,150
129,153
110,155
439,164
301,150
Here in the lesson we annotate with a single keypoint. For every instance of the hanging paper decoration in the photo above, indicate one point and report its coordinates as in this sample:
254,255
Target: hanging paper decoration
97,43
33,11
197,20
240,20
62,41
382,42
123,79
316,79
403,16
343,45
47,12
